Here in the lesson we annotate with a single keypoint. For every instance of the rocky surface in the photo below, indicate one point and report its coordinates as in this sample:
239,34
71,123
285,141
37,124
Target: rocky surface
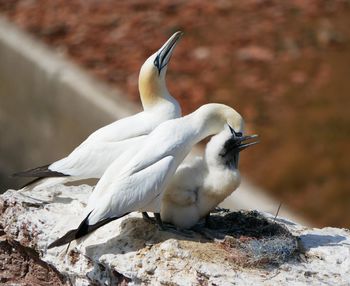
21,265
243,248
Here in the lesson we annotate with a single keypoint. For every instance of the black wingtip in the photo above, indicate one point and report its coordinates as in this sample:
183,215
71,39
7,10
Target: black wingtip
31,172
42,172
83,229
68,237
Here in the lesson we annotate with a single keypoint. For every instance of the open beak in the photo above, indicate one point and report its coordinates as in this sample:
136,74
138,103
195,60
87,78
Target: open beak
165,52
235,145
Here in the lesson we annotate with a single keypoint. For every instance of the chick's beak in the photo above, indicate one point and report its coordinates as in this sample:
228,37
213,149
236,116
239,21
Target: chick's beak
237,144
165,52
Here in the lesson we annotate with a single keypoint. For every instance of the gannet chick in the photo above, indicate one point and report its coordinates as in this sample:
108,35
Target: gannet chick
92,157
139,184
198,187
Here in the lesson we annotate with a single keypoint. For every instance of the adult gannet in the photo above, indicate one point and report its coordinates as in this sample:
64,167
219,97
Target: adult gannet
198,187
138,185
92,157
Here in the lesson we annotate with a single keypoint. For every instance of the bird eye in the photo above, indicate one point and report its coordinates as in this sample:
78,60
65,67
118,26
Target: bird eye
156,61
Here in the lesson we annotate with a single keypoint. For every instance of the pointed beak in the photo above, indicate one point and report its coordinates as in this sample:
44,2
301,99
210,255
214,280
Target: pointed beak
237,144
165,52
241,142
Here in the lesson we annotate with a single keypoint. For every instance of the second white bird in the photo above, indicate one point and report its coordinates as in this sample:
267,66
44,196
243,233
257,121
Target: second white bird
138,185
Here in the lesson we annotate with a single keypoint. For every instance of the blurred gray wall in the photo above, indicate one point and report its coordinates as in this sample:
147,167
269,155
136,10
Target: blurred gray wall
47,105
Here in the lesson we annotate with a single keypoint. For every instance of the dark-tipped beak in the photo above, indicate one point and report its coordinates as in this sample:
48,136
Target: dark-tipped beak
241,142
235,145
165,52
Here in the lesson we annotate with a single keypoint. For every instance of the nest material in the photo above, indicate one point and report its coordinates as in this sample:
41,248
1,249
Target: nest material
252,240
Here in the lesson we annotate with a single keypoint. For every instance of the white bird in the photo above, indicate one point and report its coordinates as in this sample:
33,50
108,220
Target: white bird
138,185
199,186
92,157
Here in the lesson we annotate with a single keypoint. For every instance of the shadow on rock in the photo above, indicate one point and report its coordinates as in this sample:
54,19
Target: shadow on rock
248,238
310,240
135,234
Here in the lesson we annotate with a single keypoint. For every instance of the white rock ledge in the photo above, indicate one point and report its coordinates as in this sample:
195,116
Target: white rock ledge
132,251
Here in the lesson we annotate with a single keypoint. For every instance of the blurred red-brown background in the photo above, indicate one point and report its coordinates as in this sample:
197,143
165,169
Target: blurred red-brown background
284,65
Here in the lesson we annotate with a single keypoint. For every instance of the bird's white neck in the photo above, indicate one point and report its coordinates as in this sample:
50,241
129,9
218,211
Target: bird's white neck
215,147
212,118
204,123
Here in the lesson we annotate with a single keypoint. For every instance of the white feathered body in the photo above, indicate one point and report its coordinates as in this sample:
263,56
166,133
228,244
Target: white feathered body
91,158
198,187
138,184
